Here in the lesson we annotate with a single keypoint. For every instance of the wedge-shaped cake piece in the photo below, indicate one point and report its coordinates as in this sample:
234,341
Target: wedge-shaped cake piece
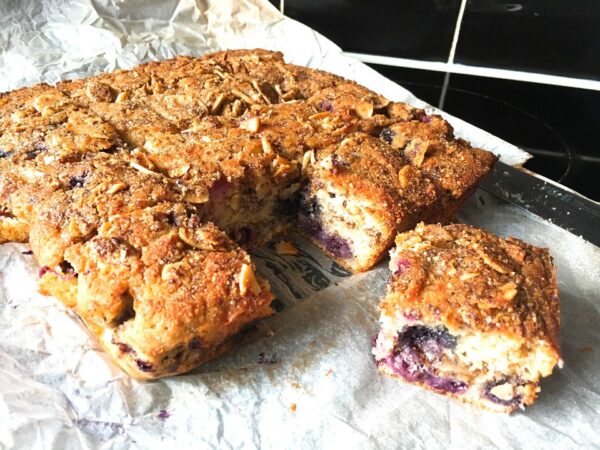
358,198
470,315
161,291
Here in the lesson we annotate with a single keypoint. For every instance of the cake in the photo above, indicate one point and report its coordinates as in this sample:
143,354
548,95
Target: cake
470,315
140,191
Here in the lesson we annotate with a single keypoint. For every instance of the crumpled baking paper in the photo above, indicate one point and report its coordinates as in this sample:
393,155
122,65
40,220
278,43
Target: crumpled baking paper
303,378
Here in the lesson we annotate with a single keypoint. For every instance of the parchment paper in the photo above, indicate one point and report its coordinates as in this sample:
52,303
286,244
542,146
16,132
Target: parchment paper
303,378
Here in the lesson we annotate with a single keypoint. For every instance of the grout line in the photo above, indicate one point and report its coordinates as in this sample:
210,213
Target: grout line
490,72
281,6
444,90
459,18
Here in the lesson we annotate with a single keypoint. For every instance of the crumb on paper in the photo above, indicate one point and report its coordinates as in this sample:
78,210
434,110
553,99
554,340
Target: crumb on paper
27,252
286,248
293,407
295,385
329,373
264,358
164,414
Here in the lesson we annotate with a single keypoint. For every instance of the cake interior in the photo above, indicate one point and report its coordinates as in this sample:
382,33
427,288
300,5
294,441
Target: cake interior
344,225
489,369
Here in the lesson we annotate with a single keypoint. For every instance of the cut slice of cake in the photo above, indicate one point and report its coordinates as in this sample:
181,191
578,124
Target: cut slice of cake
470,315
358,197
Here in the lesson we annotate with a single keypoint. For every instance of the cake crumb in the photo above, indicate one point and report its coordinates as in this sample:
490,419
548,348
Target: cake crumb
285,248
329,372
293,407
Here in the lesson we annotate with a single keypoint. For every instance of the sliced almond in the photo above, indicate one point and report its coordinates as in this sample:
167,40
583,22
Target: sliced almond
200,238
236,108
405,175
170,271
252,124
364,110
308,159
320,115
267,146
142,169
416,150
179,171
256,86
122,96
467,276
243,96
508,291
117,187
493,263
214,109
504,391
286,248
248,281
197,195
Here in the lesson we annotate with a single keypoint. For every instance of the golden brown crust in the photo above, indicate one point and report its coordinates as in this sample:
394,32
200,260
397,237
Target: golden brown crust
227,138
470,315
467,278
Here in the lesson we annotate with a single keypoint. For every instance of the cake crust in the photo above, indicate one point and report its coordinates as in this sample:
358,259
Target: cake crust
470,315
101,174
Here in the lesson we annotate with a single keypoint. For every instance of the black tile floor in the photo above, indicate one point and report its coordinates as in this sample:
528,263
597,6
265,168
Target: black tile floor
555,124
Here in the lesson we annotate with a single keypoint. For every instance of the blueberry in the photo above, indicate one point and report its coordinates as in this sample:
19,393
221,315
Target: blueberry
78,180
195,344
426,119
416,348
4,154
430,341
277,305
262,358
387,135
39,148
173,219
402,265
144,366
164,414
310,205
325,105
336,245
67,268
338,165
124,348
43,270
445,384
487,392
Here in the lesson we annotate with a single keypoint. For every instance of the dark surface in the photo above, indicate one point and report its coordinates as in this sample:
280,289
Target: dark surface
420,29
425,84
555,124
550,36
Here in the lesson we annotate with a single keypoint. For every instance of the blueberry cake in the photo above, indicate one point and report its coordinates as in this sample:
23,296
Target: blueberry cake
140,190
470,315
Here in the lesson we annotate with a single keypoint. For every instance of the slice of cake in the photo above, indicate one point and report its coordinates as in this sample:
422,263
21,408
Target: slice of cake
358,197
470,315
161,291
